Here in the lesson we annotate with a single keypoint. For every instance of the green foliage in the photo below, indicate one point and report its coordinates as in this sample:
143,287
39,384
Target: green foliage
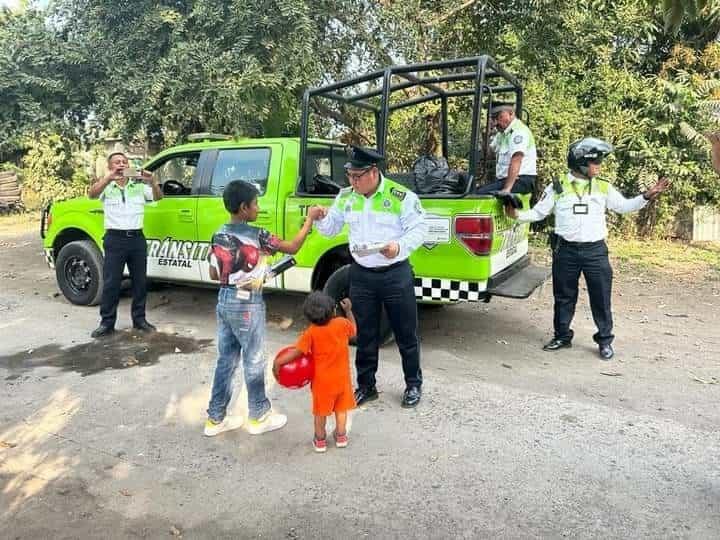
169,69
641,74
44,80
51,170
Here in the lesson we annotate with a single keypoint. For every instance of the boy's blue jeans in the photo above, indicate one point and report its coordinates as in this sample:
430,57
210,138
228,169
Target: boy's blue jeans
241,334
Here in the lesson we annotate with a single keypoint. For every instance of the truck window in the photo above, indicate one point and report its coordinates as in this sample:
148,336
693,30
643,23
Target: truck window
248,164
324,170
176,174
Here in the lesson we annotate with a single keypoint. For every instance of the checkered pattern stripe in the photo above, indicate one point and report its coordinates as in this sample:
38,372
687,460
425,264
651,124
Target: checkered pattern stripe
50,257
448,290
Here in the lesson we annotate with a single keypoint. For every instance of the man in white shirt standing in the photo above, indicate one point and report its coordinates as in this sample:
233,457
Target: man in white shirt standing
124,243
386,224
579,201
515,151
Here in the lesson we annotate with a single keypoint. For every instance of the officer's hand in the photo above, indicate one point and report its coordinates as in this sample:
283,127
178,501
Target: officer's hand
510,211
317,212
391,250
346,304
146,176
113,174
661,185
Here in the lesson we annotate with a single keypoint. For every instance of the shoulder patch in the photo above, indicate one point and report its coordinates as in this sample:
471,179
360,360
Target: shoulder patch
346,190
398,193
517,139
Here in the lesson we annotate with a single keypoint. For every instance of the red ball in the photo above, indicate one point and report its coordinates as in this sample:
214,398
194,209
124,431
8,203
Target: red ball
297,373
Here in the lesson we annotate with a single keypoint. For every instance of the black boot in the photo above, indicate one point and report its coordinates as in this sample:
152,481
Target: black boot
364,394
144,326
102,331
411,397
554,344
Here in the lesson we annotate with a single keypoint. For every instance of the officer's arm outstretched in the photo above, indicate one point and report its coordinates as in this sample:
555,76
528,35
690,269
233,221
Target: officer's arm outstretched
618,203
331,220
538,212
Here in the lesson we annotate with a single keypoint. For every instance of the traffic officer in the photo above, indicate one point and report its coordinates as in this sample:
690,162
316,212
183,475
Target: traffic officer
514,147
386,224
123,199
579,201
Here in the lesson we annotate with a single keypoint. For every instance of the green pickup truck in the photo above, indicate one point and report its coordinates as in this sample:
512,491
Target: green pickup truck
472,251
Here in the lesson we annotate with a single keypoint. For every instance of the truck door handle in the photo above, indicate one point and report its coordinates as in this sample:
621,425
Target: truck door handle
186,214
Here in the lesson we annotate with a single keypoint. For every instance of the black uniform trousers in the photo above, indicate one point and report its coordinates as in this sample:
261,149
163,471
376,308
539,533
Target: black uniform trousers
123,247
392,287
591,259
524,183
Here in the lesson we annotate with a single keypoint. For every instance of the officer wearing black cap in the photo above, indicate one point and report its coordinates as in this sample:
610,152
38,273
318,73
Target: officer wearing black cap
386,224
579,201
514,148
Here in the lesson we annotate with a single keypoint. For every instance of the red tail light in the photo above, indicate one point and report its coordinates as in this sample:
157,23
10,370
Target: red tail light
475,232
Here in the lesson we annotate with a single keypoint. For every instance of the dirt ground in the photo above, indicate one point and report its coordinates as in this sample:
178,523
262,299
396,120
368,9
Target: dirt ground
103,439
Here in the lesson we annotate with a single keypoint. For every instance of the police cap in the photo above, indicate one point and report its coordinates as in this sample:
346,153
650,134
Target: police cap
497,107
362,158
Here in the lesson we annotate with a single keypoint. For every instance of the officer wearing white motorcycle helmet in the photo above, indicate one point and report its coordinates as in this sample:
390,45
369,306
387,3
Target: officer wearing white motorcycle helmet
579,201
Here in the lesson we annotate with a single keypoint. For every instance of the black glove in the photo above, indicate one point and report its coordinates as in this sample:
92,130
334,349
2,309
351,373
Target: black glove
508,199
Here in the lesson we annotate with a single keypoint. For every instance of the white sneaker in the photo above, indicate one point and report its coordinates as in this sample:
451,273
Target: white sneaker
269,422
228,423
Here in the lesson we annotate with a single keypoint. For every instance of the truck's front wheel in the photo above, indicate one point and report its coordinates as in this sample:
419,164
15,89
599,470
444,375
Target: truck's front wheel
338,286
78,269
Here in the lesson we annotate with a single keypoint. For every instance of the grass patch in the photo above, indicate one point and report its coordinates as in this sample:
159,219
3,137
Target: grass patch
665,257
668,257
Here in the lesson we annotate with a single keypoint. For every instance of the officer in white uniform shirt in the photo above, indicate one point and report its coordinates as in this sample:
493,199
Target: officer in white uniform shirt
124,243
515,151
579,201
386,224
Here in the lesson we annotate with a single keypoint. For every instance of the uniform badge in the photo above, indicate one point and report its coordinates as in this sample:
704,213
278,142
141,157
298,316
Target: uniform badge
386,203
517,139
398,193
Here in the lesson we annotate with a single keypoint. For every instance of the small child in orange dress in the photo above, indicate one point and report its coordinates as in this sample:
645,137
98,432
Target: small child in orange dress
326,341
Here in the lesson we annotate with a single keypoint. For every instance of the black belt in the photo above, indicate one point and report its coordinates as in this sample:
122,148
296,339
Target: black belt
381,269
580,244
124,232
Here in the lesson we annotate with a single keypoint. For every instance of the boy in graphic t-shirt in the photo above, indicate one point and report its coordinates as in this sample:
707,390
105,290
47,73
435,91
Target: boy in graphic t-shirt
237,260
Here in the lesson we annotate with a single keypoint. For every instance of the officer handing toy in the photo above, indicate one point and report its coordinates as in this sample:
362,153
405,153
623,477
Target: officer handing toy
579,201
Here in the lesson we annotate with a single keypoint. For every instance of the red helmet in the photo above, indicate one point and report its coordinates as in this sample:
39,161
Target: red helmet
297,373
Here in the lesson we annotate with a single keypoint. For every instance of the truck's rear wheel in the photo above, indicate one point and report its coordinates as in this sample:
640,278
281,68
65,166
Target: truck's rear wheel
338,286
78,269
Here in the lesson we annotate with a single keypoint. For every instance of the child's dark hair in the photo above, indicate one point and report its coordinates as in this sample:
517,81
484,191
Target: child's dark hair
319,308
236,193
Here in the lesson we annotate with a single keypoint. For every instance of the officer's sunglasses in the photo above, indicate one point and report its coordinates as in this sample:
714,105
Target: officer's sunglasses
355,177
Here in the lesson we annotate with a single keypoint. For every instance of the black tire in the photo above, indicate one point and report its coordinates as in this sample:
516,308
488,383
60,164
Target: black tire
79,272
338,286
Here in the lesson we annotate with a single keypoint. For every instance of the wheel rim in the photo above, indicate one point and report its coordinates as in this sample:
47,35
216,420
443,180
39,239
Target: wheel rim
77,275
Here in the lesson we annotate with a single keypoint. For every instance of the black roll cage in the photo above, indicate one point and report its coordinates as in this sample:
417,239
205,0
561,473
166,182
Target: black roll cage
488,77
